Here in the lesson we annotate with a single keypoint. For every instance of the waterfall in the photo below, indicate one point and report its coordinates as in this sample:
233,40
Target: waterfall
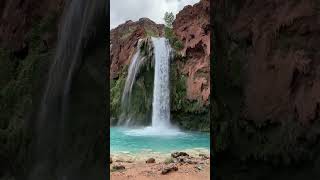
161,90
161,125
77,30
133,70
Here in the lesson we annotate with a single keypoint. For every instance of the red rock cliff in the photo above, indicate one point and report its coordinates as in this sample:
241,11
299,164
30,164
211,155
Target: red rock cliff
192,28
124,39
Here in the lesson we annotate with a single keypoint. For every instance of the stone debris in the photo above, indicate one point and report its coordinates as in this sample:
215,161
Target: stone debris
178,154
169,168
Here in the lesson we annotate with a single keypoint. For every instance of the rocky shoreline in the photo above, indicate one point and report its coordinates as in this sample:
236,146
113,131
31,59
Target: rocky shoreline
175,166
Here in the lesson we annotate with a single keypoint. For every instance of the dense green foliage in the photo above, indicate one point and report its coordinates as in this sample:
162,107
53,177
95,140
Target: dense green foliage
169,34
116,88
168,18
187,114
140,102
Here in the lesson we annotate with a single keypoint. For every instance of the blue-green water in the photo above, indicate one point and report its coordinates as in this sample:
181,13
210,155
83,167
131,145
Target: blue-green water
164,141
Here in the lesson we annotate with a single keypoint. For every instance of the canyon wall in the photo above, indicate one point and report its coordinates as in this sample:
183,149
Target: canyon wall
192,28
267,86
191,68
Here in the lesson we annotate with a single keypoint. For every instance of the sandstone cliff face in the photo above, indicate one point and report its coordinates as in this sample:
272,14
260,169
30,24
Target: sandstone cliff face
192,28
268,79
124,39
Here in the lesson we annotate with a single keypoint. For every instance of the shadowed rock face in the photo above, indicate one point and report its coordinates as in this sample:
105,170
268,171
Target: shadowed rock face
192,28
124,39
18,17
267,80
282,51
28,32
28,40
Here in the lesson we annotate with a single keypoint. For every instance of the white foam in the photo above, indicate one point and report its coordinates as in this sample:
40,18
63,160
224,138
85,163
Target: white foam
153,131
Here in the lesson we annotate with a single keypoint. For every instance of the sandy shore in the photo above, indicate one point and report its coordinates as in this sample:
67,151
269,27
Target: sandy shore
192,167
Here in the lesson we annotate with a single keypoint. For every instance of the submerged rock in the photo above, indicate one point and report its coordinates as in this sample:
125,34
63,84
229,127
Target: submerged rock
169,168
151,160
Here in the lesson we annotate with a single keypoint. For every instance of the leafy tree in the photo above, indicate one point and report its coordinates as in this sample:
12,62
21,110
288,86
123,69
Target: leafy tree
168,31
169,18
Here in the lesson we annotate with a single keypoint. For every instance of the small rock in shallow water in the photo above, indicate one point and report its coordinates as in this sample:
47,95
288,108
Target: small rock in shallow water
178,154
168,169
118,167
151,160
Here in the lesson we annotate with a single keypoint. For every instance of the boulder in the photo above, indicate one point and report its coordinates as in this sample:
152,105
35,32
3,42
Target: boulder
178,154
151,160
118,167
169,168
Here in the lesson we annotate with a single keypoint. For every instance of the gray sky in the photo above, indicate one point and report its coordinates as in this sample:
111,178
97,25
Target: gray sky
123,10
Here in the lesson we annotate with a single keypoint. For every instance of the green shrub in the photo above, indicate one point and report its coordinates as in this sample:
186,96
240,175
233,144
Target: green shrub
169,34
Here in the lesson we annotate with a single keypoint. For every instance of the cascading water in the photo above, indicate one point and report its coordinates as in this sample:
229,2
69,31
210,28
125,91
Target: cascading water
133,70
78,28
161,90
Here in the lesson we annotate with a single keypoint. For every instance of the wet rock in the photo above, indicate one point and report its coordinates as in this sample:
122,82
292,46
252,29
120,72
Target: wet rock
178,154
151,160
169,168
118,167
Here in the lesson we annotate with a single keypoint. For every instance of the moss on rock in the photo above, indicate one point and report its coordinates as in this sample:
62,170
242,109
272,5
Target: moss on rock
190,115
21,84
